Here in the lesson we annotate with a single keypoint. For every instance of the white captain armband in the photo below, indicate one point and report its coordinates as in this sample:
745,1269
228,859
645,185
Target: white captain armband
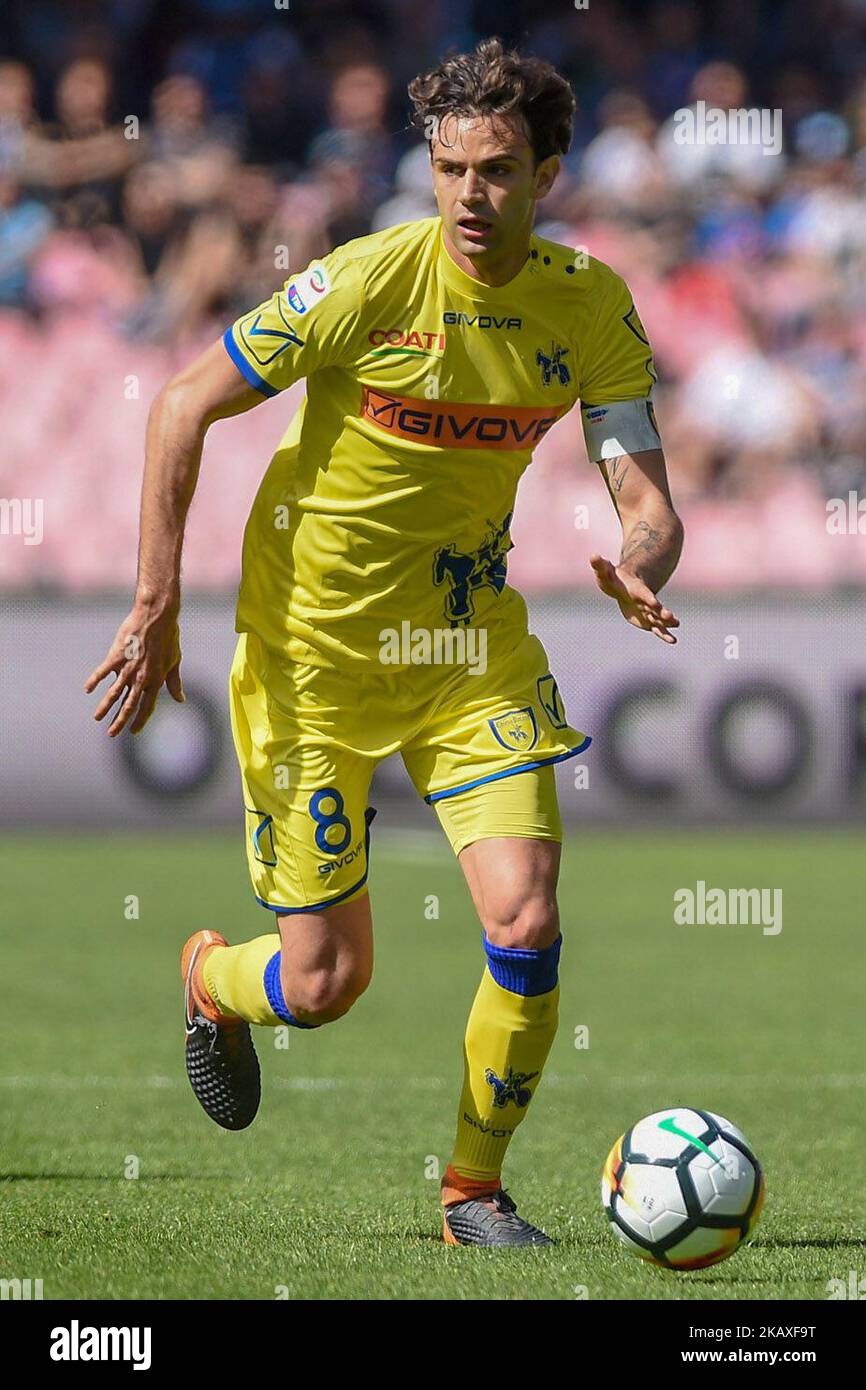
626,427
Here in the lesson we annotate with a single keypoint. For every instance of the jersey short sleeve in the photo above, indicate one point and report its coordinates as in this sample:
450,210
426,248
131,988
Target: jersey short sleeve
617,362
308,324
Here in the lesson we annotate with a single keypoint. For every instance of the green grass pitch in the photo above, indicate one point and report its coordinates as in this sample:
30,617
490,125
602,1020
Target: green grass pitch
328,1195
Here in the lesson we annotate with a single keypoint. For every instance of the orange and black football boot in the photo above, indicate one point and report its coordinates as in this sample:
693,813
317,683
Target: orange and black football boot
475,1216
221,1062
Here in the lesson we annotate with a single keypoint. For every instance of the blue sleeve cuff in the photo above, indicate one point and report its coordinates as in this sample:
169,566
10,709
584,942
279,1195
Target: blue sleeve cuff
244,367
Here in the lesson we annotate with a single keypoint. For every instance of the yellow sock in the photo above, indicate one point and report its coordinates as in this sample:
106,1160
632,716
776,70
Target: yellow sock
511,1027
234,977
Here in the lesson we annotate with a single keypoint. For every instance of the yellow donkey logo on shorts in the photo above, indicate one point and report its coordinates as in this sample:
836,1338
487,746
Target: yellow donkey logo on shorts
516,730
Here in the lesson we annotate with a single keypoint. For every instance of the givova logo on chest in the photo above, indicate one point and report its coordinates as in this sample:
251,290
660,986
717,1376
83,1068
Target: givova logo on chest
458,425
480,320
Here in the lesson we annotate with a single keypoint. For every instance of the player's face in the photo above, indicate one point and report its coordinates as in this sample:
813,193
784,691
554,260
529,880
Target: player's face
487,184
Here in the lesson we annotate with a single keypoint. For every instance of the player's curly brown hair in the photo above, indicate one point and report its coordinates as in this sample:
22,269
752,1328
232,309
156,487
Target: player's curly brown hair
494,81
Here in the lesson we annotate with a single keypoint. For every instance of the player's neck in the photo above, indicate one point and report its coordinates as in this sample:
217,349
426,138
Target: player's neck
495,271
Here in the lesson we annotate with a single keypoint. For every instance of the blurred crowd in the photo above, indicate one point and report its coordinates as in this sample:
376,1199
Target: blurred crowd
164,165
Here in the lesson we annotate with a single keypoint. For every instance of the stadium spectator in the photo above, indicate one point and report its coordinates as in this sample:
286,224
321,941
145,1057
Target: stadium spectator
692,154
17,113
254,201
187,262
621,162
186,135
24,226
283,102
80,158
357,138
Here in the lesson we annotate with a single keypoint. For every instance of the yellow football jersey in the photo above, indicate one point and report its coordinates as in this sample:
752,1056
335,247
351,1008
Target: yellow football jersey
390,496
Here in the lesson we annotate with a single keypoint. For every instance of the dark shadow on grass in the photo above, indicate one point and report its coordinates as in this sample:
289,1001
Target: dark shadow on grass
825,1243
746,1280
435,1238
115,1177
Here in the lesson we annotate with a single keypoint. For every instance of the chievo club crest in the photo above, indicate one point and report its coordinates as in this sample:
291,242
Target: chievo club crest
516,730
510,1087
552,365
466,572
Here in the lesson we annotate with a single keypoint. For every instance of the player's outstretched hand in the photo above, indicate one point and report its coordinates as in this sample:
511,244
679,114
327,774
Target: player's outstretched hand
637,602
144,656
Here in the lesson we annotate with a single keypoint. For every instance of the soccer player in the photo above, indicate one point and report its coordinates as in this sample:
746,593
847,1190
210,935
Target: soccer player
374,613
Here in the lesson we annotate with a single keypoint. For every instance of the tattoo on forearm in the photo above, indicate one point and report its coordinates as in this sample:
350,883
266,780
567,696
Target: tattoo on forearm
614,473
652,552
641,538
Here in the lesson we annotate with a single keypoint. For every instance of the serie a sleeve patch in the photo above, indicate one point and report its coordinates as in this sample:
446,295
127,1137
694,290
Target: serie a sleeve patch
305,291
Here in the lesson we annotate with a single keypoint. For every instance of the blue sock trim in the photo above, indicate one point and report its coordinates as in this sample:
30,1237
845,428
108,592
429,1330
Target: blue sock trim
274,991
523,971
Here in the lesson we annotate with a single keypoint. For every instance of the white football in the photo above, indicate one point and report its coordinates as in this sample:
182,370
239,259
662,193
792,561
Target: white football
682,1188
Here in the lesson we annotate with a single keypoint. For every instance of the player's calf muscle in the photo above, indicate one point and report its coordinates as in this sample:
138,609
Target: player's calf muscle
323,995
326,960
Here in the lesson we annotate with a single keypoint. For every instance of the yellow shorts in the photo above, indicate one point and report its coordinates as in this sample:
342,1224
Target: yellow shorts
308,739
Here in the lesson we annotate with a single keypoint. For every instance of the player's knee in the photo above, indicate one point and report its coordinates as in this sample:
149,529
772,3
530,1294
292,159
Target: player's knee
326,995
529,921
